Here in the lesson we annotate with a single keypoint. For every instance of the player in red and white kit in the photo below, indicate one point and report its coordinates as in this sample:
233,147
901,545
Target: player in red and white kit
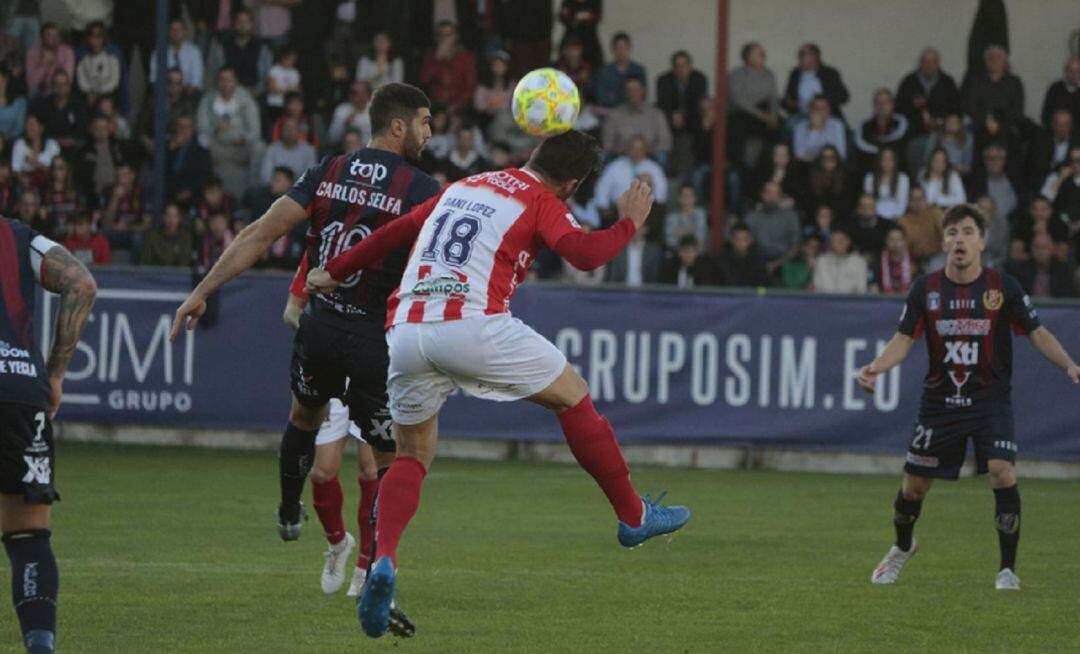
450,327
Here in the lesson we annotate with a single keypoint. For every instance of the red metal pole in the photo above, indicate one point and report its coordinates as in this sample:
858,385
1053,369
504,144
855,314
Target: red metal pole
717,213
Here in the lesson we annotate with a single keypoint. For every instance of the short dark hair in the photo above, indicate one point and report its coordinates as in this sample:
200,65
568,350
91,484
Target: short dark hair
896,227
286,171
681,53
687,240
959,212
82,216
570,155
748,48
620,36
395,100
741,227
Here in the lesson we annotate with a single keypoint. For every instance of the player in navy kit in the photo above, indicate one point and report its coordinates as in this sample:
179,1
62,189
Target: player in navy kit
968,314
30,391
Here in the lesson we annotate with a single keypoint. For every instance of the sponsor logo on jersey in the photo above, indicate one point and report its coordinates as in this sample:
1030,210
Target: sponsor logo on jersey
967,303
958,379
573,221
962,353
500,179
922,460
446,285
963,327
993,299
933,301
368,172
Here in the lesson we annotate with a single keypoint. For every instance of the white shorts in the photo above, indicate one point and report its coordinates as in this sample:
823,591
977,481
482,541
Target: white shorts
337,425
495,357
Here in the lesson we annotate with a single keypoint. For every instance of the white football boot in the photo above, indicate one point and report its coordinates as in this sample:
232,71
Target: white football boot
337,558
1007,580
889,569
356,586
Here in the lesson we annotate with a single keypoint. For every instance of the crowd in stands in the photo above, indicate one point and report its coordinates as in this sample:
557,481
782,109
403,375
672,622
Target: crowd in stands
259,90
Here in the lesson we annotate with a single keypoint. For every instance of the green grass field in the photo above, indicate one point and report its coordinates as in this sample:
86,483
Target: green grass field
174,550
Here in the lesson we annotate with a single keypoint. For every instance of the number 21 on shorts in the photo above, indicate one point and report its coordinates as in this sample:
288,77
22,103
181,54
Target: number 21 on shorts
924,435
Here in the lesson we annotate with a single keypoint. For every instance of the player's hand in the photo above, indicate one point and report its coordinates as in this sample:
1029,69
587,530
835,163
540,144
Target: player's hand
867,379
56,392
188,315
320,281
636,203
1073,371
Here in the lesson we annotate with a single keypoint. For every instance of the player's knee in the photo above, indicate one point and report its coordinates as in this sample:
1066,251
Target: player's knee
322,474
1002,476
367,473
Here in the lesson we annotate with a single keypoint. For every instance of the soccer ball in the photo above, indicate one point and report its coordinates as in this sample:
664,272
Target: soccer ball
546,102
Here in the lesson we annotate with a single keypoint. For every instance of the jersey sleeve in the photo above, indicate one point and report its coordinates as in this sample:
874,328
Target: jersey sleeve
423,188
1021,312
303,191
554,220
39,245
299,280
913,317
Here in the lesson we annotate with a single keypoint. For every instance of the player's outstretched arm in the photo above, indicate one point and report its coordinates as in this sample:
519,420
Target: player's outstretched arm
589,250
1050,347
894,353
281,218
65,275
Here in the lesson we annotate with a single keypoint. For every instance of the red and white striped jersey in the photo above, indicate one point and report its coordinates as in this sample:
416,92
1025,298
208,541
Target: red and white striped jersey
477,245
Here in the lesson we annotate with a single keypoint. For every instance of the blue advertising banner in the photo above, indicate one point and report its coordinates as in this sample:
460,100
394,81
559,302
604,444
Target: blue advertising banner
668,367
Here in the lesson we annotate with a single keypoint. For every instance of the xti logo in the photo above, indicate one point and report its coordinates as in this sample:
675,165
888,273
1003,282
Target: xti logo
381,429
38,470
962,353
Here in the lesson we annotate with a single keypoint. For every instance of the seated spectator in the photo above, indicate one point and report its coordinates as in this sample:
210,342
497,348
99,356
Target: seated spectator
12,107
797,273
464,160
824,220
189,164
97,161
995,131
573,62
119,128
99,71
214,199
777,231
998,234
581,18
1040,219
954,139
282,78
381,66
867,232
687,219
259,198
290,152
740,264
927,94
840,269
617,176
45,58
525,28
1064,94
351,142
213,242
62,114
941,183
228,121
922,225
886,128
9,188
1043,275
689,268
495,91
294,110
754,104
638,263
32,153
29,211
818,130
637,118
168,244
242,51
992,179
183,54
889,184
1049,148
995,88
352,115
778,167
811,79
449,70
177,104
124,216
1063,187
827,184
86,246
609,83
679,92
894,269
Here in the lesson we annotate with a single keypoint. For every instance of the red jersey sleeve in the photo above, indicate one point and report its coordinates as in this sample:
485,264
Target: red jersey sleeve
553,220
299,280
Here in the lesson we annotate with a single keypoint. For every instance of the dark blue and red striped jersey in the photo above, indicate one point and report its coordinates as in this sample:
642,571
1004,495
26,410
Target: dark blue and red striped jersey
969,331
347,198
23,378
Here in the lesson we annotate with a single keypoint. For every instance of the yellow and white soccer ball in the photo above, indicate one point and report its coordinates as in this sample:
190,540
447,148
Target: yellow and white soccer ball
546,102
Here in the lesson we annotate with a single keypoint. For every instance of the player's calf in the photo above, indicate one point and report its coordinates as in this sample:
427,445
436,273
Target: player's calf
35,582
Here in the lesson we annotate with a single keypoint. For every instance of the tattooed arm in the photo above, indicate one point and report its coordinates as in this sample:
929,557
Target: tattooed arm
64,275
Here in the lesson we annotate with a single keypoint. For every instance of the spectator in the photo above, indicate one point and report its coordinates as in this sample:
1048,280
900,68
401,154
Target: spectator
9,188
777,231
754,104
181,53
525,29
798,273
998,232
119,128
29,211
213,242
992,179
352,141
886,128
124,216
779,167
259,198
840,270
45,58
995,88
12,107
618,175
98,159
62,114
352,115
244,52
573,62
927,94
824,219
282,78
610,80
122,92
177,104
922,225
810,79
740,264
1044,275
942,184
1049,148
290,152
679,92
99,71
894,269
994,130
228,121
953,137
13,48
689,267
889,184
449,71
189,164
294,109
273,19
60,198
89,248
637,118
464,160
1040,219
818,130
214,199
167,244
868,231
1064,94
381,66
638,263
495,91
687,220
33,152
828,184
1062,188
581,18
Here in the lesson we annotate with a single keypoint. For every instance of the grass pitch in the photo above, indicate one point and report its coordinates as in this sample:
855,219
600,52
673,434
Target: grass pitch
174,550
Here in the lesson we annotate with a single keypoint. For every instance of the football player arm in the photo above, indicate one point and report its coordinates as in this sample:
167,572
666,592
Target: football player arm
1048,345
894,353
589,250
294,306
64,275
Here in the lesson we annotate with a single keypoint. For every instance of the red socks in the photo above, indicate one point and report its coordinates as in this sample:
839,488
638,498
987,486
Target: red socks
592,440
328,499
363,518
399,498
